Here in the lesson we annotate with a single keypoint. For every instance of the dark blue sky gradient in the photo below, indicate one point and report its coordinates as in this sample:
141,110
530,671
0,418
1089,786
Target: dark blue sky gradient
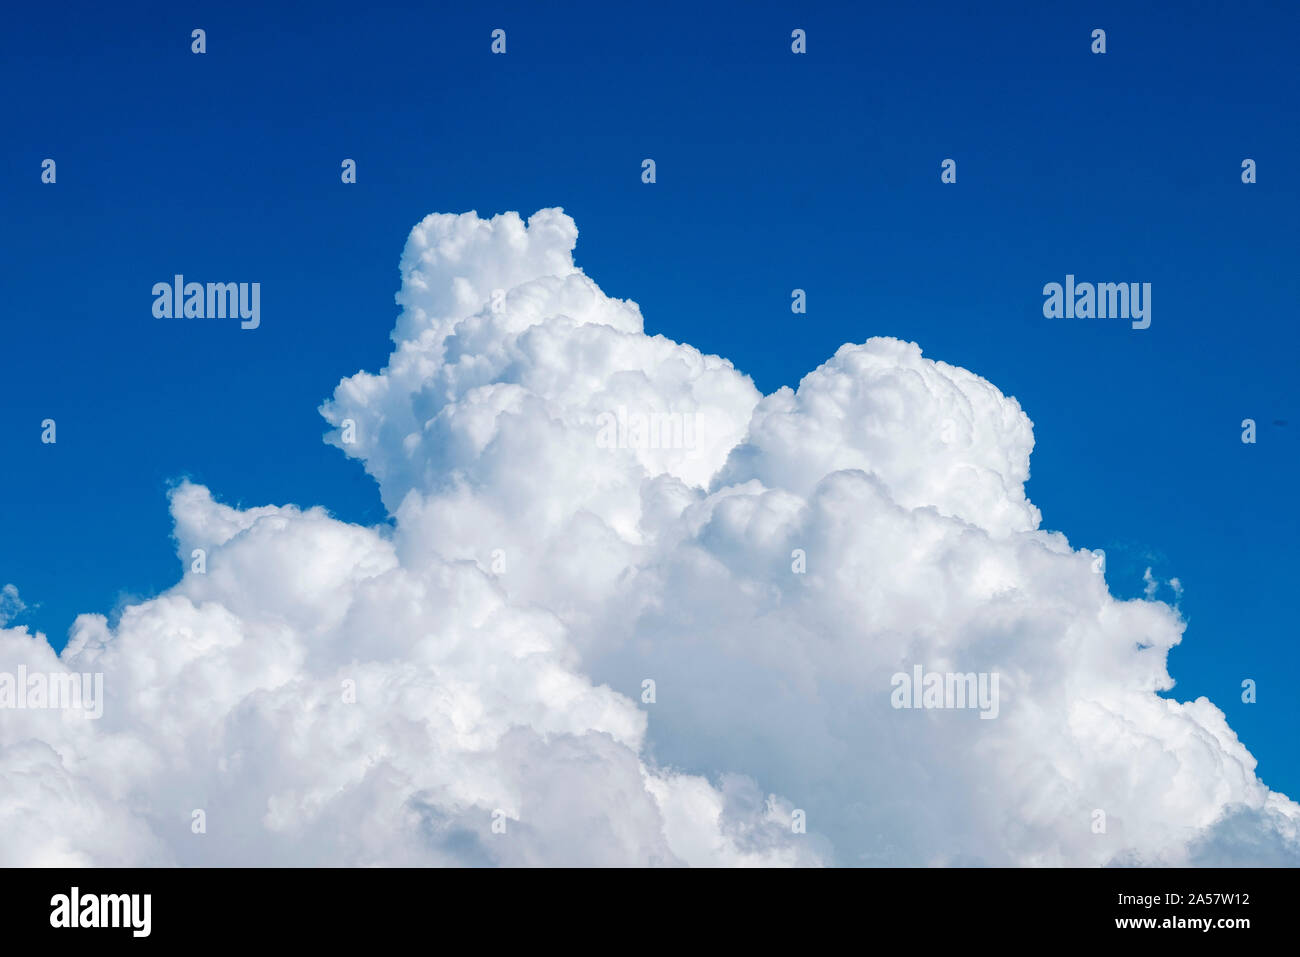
775,171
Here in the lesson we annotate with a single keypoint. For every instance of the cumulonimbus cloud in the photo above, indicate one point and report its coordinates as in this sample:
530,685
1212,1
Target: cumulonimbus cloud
630,611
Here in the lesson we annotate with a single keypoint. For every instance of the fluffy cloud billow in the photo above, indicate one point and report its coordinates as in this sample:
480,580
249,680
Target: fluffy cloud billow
577,644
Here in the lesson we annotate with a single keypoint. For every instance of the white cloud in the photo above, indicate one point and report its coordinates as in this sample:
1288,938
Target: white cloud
499,634
11,606
1151,587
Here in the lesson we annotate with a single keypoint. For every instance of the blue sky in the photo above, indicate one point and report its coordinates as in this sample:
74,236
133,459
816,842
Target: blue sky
775,171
